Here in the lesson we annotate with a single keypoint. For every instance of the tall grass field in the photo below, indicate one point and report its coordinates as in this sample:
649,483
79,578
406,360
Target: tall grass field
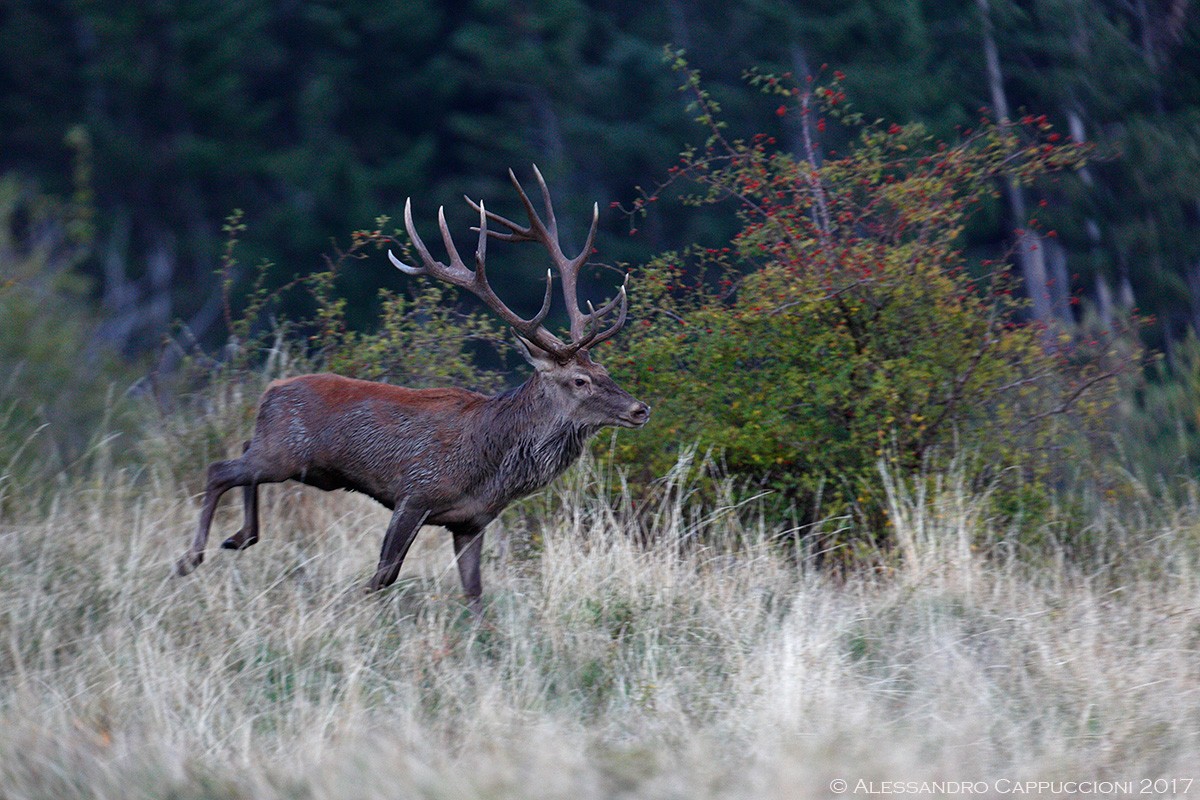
700,656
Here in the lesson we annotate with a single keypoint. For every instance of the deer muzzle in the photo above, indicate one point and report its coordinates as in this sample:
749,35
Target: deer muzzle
637,415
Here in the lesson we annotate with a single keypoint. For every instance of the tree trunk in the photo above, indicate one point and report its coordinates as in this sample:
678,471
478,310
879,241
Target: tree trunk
677,24
1030,249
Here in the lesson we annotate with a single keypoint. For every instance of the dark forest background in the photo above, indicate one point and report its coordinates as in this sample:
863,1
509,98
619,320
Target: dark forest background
157,119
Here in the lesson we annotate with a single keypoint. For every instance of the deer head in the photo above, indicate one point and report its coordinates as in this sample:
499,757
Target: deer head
583,389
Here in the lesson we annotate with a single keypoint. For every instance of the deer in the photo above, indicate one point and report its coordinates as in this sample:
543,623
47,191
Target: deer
448,456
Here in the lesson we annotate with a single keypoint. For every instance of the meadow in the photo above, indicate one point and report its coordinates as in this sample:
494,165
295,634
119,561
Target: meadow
701,656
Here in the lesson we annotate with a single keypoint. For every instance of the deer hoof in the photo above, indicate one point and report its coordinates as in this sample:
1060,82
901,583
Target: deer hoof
379,582
189,562
239,541
476,605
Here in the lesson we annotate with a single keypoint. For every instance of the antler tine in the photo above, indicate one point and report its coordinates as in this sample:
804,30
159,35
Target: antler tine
530,328
551,224
519,233
537,231
608,307
539,317
545,230
484,289
456,262
405,268
570,274
591,237
534,232
417,243
481,246
595,336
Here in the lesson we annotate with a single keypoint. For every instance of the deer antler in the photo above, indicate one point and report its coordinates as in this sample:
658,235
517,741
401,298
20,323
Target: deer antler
585,327
585,330
457,273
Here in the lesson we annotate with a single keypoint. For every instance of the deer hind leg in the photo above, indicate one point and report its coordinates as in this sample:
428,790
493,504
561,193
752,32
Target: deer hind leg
223,476
248,535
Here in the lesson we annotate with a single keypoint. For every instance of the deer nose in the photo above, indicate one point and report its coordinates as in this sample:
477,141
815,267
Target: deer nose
639,412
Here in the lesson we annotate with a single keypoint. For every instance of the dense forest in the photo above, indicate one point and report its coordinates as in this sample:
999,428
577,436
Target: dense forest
154,121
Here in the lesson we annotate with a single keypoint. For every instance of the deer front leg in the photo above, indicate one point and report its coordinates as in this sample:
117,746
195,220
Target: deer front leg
401,532
468,549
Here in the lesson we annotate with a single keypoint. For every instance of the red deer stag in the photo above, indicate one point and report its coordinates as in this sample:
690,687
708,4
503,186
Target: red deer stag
445,457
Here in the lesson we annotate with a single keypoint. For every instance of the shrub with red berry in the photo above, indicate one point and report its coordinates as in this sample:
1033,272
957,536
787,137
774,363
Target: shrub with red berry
840,329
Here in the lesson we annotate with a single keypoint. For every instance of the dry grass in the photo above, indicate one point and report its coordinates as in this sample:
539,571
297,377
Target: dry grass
604,669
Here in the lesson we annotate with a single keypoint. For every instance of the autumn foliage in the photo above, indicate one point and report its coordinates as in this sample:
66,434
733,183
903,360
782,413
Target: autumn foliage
842,327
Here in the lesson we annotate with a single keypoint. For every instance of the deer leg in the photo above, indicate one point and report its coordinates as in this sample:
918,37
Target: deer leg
401,531
222,476
468,548
248,535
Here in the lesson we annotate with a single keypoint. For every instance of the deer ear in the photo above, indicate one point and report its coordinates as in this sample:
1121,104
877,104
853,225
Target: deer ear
538,358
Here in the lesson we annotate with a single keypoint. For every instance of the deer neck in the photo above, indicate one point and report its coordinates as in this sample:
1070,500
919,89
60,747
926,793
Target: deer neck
531,441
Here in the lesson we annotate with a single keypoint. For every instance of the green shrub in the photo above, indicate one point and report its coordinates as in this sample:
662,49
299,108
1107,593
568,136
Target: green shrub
421,341
840,327
62,394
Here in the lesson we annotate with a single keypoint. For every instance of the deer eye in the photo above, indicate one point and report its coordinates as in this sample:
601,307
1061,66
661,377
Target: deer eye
581,382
